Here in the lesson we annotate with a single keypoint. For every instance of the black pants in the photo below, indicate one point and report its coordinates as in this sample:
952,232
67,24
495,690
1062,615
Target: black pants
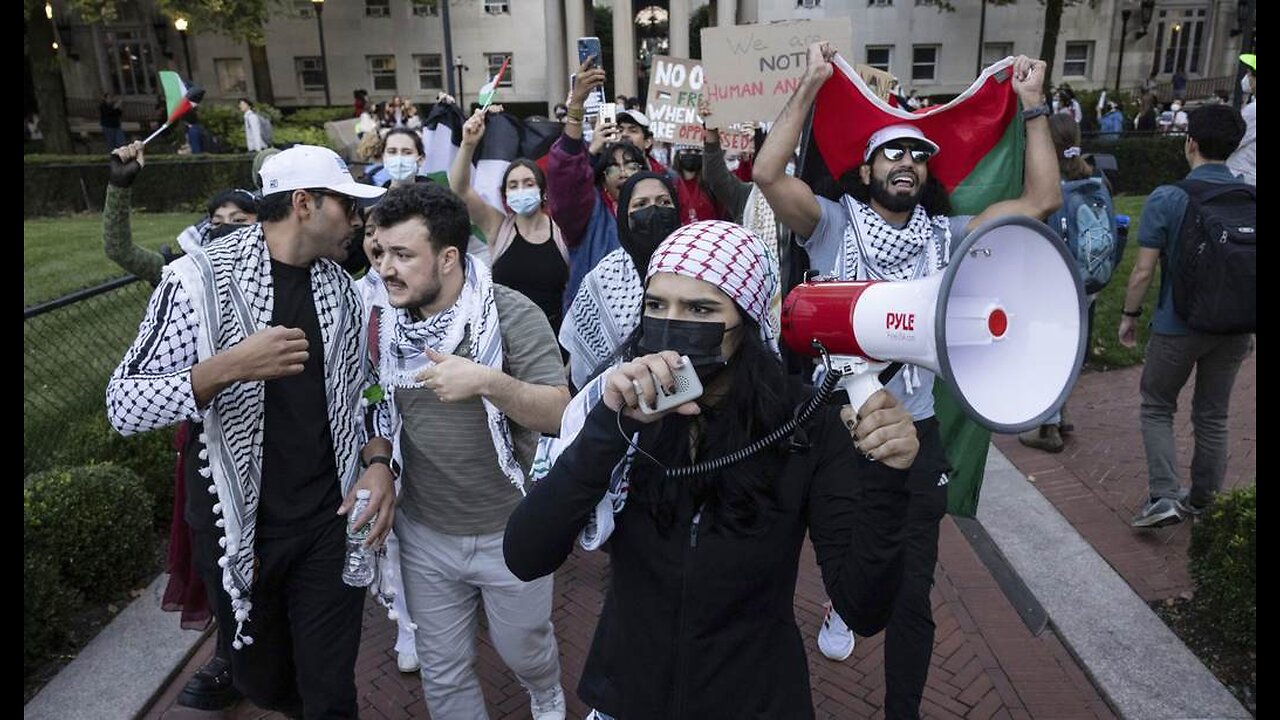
305,625
204,554
908,641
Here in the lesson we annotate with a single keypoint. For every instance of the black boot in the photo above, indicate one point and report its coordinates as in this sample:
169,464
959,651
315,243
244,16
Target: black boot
210,688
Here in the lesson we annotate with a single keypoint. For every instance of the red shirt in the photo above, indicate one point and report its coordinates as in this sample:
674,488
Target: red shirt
695,202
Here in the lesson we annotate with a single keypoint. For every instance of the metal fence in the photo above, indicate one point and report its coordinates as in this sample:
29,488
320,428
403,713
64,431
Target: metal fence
70,347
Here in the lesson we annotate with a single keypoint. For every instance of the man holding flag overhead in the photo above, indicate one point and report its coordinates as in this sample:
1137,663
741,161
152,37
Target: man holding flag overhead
894,221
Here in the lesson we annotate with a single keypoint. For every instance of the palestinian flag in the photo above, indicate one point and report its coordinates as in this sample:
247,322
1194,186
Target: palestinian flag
506,137
489,89
981,141
178,98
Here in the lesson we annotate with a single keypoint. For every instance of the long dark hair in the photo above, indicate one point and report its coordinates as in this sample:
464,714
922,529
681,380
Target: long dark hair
741,498
934,197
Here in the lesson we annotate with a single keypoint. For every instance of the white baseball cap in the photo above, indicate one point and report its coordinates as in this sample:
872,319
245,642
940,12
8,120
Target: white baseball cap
633,116
304,167
896,132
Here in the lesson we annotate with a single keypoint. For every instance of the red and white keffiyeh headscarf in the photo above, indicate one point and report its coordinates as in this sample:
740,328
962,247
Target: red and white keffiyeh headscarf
728,256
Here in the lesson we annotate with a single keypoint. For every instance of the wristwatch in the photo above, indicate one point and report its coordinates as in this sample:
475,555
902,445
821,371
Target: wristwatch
378,459
1032,113
1135,314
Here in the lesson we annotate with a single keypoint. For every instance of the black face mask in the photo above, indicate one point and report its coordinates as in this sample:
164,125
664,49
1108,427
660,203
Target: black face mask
700,341
689,162
649,227
225,229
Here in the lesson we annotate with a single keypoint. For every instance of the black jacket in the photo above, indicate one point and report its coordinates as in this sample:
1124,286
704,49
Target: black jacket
698,621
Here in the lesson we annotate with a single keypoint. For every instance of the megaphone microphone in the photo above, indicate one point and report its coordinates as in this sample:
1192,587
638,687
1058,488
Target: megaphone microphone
1003,324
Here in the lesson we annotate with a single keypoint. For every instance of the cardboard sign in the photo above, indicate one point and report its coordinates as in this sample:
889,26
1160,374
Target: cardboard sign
675,87
752,70
878,80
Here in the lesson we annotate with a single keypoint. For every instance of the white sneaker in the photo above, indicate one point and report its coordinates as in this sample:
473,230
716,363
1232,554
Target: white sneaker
835,639
547,704
407,662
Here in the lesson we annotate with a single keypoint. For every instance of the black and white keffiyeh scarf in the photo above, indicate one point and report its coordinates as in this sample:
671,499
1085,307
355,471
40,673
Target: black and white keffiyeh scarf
231,292
604,312
404,353
876,250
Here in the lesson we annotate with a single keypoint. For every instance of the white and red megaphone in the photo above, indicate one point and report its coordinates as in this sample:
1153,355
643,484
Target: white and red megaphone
1004,325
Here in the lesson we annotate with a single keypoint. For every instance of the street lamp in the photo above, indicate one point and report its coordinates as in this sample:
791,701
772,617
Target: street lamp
457,65
180,24
324,58
1146,10
1124,31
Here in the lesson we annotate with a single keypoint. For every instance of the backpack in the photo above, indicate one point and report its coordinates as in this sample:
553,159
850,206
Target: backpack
1087,222
264,127
1215,272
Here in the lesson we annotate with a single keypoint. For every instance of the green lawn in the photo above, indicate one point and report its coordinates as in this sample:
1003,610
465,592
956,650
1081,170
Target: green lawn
63,254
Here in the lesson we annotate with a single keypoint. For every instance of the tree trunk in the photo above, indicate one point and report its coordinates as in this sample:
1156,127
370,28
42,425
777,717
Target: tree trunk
1049,46
46,77
261,74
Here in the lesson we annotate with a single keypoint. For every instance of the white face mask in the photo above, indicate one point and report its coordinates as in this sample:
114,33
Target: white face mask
525,201
1245,85
400,167
1175,107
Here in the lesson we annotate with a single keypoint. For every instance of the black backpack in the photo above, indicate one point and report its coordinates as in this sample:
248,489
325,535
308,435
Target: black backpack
1215,273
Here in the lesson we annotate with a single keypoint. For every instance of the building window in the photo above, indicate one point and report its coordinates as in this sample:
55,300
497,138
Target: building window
924,62
993,53
494,61
1078,60
879,3
310,72
808,4
926,3
231,77
131,63
382,72
880,56
1179,41
497,7
303,9
377,8
426,8
430,72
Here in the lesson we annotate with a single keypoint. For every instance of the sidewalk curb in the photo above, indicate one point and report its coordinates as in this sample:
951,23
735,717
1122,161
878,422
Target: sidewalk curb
122,670
1134,659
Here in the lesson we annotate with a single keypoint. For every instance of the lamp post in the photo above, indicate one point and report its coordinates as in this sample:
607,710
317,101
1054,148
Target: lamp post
324,58
1124,31
180,24
459,67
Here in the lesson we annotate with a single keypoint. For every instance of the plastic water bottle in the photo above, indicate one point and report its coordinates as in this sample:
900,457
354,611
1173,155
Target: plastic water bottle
357,571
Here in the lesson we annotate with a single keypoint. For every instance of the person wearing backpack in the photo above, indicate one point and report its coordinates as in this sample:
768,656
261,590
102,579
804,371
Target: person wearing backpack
1206,313
1087,224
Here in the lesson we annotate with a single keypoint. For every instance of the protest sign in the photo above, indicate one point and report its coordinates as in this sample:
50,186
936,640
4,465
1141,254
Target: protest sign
751,70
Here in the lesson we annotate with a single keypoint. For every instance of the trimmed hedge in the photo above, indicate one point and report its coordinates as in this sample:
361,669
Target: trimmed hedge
47,606
1223,560
1145,161
93,523
58,184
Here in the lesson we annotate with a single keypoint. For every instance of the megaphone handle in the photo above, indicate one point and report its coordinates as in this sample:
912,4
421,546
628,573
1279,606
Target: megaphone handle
860,386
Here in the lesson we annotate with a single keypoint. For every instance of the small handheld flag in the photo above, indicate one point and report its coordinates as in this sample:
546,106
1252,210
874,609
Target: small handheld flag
178,99
489,89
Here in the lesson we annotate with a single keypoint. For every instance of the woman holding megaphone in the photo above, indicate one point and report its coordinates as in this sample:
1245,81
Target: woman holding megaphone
698,620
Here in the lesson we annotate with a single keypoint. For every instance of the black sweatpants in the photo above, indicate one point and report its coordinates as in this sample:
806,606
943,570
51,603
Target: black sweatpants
908,641
305,625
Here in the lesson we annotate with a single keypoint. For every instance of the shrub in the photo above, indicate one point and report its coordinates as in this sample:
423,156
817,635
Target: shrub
1144,161
318,116
93,523
47,604
1223,562
54,185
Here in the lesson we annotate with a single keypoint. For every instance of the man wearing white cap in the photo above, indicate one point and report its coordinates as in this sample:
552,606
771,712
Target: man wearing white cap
892,224
258,336
634,128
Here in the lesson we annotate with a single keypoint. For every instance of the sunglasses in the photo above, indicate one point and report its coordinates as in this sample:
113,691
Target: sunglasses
918,155
349,204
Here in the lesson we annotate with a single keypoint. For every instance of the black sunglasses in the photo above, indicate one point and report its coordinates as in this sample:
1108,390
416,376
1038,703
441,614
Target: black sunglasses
918,155
349,204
